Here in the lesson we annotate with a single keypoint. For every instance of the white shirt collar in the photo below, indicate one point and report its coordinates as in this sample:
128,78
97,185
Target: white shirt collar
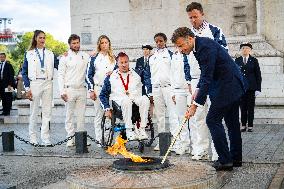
201,27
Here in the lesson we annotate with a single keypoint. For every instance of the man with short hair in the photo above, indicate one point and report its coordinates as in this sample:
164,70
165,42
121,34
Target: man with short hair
71,79
7,83
124,86
221,79
199,131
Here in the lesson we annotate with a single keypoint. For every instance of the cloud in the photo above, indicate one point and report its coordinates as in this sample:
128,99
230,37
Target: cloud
28,15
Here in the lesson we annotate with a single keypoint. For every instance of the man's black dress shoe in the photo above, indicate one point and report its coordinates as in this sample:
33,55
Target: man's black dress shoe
237,163
5,113
222,167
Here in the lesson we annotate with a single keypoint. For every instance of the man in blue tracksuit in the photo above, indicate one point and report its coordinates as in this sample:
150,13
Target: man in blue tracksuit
222,80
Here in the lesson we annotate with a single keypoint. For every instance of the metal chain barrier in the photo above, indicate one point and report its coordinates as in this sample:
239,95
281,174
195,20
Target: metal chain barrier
40,145
94,140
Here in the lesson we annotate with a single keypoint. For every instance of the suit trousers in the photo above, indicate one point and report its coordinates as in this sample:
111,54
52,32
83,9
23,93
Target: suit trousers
7,99
247,108
76,101
41,90
230,113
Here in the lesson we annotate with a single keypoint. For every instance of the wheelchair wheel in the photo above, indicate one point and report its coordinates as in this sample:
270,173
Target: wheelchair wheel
150,131
107,133
141,147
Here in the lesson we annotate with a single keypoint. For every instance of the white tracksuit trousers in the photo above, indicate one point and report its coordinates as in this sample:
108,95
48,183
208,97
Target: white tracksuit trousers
162,102
183,140
41,89
198,129
126,107
76,101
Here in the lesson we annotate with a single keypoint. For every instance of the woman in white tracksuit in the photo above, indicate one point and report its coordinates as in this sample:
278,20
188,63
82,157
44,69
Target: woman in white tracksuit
99,67
37,74
180,83
159,72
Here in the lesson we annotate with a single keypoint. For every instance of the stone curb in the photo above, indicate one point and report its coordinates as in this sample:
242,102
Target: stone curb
278,178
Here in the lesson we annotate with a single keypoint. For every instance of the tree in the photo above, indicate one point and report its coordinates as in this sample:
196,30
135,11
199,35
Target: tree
17,55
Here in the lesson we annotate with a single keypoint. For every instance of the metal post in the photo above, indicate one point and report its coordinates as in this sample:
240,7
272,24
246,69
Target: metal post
81,142
164,142
8,141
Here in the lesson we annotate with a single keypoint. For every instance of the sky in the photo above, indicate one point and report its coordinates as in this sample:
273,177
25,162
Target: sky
52,16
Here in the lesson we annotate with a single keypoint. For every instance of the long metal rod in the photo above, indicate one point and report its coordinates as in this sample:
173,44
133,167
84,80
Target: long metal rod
174,140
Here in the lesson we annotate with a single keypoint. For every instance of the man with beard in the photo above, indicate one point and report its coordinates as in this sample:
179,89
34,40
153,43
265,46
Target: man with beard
71,79
222,80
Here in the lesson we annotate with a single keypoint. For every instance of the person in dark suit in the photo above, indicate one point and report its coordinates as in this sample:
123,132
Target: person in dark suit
222,80
7,83
251,72
141,64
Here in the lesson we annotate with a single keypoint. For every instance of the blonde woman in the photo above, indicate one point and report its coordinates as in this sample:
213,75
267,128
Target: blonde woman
100,66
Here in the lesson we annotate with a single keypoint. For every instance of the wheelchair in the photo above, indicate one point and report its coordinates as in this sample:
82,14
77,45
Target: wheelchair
109,132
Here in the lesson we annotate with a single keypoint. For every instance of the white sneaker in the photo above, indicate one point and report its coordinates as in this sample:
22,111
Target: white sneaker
46,142
88,143
181,151
70,143
142,134
157,148
33,140
131,135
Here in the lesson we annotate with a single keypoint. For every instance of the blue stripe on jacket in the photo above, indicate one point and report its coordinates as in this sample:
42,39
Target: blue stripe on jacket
105,93
218,36
25,76
91,72
186,68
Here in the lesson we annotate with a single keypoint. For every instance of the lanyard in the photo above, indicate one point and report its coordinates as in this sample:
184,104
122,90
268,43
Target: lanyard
41,60
125,85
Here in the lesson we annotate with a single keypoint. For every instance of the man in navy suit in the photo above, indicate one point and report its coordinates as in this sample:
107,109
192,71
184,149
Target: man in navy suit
251,72
222,80
6,82
142,62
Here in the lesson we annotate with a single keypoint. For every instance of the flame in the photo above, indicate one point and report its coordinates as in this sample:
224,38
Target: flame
119,148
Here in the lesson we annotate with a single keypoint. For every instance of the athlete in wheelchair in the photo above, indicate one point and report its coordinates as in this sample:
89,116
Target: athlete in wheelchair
123,88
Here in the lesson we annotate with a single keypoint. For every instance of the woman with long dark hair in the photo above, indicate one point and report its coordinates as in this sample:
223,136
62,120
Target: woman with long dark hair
37,73
99,67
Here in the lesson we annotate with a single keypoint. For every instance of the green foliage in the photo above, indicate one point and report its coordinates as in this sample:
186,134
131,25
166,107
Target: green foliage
16,56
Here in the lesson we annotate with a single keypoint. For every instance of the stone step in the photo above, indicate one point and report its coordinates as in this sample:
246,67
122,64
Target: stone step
264,114
275,77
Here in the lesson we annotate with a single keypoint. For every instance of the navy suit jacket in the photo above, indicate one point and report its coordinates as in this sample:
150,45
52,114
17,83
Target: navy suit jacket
8,76
140,69
251,72
220,76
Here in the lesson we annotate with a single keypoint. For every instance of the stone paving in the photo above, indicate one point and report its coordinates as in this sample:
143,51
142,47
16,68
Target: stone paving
30,167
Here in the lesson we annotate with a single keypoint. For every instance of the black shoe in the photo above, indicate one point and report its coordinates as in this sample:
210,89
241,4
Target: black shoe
222,167
243,128
249,129
5,113
237,163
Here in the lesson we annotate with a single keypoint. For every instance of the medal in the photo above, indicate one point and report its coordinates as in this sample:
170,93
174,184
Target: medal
125,85
41,60
42,70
